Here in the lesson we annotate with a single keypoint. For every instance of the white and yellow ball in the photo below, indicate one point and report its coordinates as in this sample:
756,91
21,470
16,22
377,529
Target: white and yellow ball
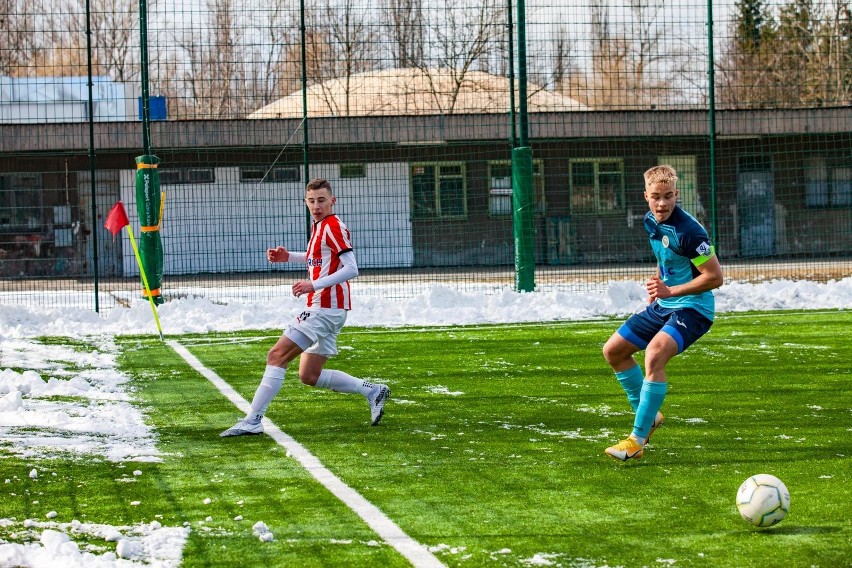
763,500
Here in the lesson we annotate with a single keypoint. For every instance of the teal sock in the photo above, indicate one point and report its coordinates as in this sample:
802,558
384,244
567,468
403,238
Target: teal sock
631,382
650,401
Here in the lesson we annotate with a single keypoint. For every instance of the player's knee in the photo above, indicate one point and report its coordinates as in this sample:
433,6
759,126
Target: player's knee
655,359
275,356
308,377
608,354
613,353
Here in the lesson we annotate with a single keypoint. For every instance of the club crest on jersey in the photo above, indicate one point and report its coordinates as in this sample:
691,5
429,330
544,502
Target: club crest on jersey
665,241
703,249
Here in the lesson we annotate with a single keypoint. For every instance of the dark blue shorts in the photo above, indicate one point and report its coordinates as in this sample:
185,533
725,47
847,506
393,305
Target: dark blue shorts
684,325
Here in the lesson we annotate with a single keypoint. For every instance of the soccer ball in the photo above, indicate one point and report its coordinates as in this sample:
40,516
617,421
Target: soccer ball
763,500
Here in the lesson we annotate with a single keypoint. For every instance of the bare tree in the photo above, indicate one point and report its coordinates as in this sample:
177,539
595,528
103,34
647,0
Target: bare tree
214,71
463,35
17,30
606,84
553,63
166,79
115,37
403,20
114,42
648,80
269,75
627,68
340,43
352,46
837,44
231,66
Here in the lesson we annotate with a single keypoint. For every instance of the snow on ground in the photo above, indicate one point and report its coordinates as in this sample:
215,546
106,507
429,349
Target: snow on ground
436,304
55,399
58,400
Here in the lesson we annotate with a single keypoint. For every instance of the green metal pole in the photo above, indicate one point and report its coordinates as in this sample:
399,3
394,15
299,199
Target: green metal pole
522,73
93,185
523,205
513,138
711,79
148,196
523,200
305,158
143,52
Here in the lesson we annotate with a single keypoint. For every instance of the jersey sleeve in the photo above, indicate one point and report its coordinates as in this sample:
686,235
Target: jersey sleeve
337,238
697,246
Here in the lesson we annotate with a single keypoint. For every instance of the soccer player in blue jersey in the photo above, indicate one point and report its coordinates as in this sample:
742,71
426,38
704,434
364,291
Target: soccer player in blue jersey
681,308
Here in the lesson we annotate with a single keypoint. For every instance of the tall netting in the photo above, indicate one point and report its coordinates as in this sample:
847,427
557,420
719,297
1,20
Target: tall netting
414,110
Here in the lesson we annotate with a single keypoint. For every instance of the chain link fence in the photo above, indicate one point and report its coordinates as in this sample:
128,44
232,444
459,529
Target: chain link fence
412,110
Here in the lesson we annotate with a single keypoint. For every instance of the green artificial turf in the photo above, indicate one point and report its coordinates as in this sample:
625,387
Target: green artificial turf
491,450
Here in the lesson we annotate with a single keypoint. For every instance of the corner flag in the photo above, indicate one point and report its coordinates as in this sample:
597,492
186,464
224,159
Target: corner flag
115,221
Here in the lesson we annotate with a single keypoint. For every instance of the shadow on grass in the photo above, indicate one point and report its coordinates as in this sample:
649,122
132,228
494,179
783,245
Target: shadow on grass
793,530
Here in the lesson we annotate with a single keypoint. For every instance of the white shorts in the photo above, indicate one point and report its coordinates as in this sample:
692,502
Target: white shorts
316,330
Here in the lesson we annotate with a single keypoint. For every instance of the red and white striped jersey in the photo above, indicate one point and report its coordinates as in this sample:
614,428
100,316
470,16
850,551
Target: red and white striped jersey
329,239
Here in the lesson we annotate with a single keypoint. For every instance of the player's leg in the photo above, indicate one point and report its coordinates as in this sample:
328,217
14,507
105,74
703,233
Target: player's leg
682,329
287,348
634,335
312,371
284,351
618,352
659,352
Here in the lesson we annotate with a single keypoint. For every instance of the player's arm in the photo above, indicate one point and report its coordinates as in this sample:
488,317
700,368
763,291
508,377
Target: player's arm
709,278
281,254
347,271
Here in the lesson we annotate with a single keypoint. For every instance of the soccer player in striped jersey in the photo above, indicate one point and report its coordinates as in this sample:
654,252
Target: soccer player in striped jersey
681,308
313,335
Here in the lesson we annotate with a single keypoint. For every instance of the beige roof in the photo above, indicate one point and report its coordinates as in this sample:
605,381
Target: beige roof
394,92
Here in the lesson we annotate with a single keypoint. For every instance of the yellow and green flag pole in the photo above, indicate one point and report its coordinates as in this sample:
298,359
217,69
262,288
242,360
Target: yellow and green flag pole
145,281
116,219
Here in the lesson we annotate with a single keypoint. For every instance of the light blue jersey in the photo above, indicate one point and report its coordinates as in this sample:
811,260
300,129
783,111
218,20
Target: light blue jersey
681,244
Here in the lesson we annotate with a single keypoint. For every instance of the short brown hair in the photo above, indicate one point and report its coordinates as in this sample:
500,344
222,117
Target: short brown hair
318,183
660,174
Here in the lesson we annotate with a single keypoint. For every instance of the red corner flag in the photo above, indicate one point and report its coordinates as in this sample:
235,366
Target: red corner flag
117,219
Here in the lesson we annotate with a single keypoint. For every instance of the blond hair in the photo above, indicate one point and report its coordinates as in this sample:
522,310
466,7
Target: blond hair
660,174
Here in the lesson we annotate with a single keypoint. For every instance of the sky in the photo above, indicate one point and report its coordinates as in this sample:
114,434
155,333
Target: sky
59,401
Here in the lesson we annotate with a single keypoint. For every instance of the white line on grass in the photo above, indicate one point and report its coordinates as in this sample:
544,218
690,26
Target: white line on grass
415,552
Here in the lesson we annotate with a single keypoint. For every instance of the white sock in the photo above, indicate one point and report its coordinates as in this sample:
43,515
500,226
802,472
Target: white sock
269,386
339,381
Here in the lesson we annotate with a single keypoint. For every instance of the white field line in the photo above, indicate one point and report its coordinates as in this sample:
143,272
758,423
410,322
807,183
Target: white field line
416,553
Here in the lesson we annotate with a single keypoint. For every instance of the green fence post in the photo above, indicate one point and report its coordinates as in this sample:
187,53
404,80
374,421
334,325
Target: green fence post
523,205
149,208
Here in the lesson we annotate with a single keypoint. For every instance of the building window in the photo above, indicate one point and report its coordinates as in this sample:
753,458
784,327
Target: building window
21,202
597,186
174,176
352,171
828,183
500,188
687,174
258,174
438,191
